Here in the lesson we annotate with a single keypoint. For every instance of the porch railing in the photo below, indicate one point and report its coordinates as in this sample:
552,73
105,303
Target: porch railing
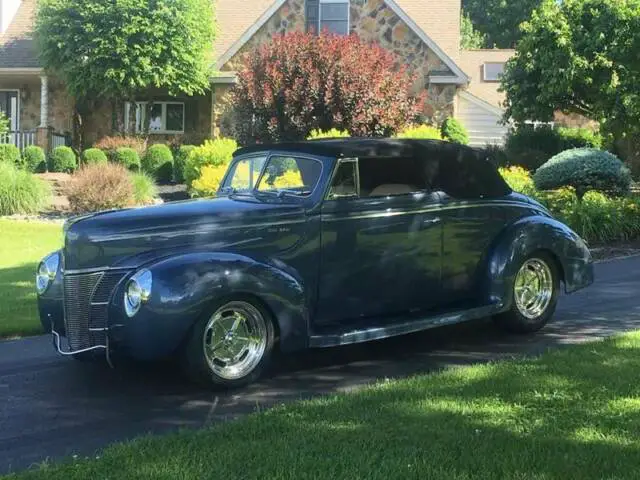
58,140
19,139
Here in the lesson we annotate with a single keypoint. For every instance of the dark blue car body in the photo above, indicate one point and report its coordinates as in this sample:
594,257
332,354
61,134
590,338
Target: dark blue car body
330,272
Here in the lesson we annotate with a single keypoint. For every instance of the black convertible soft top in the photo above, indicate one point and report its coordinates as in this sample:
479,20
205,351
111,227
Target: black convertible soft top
459,170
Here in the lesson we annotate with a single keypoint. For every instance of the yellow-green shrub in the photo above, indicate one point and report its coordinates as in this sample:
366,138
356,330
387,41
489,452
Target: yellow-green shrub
421,132
213,153
207,184
333,133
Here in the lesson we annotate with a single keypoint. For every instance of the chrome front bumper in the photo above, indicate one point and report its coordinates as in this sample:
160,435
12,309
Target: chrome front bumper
57,344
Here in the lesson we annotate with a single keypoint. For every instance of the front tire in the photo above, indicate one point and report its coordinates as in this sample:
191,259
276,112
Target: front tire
535,296
232,346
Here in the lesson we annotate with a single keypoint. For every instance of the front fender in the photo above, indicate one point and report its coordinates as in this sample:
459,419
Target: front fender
526,236
185,287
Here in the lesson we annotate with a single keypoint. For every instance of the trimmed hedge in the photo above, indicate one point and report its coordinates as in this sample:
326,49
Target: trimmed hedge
127,157
158,161
179,161
584,169
9,153
453,131
63,160
34,159
94,156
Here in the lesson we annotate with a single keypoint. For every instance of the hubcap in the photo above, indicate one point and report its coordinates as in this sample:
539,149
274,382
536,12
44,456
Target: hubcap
533,288
235,340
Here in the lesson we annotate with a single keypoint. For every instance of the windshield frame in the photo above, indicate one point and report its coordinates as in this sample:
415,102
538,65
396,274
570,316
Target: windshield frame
269,154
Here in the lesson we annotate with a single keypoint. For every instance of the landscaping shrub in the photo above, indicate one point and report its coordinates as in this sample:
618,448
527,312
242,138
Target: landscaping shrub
127,157
453,131
519,180
21,192
110,145
62,159
145,189
9,153
207,184
422,132
530,146
215,153
98,187
4,123
34,159
333,133
94,155
299,82
584,169
158,161
180,158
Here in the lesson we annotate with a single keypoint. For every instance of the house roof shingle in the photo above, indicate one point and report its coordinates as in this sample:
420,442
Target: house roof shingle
17,48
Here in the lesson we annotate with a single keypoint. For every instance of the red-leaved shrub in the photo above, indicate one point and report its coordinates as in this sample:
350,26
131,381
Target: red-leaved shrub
98,187
110,145
300,82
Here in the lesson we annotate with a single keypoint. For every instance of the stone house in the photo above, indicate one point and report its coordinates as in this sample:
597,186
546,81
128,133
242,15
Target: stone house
426,34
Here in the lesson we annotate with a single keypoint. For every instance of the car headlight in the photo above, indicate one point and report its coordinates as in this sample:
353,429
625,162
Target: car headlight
47,271
137,292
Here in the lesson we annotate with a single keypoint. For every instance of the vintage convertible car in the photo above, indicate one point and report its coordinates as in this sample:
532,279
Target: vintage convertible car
309,245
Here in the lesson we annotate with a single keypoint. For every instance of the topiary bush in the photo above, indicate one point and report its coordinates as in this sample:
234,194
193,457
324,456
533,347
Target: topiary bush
34,159
584,169
422,132
21,192
94,156
98,187
158,161
453,131
63,160
9,153
145,189
180,158
127,157
333,133
213,152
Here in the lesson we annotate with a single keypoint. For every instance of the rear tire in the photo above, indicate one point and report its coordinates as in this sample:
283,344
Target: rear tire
231,346
535,292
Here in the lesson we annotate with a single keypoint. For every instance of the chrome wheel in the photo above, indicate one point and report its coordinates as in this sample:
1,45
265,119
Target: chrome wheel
533,288
235,340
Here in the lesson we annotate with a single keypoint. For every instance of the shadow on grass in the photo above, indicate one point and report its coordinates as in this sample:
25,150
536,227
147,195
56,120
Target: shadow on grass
570,414
18,307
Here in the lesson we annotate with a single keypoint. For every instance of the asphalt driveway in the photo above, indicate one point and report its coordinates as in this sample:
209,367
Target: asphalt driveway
52,406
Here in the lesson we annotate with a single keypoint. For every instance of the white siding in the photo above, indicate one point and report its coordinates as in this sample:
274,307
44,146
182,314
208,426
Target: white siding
482,123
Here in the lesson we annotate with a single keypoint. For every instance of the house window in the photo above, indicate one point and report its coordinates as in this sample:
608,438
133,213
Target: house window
329,15
9,100
493,71
165,117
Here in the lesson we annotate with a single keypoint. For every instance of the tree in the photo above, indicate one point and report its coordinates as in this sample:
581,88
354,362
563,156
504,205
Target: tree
499,20
115,50
470,38
301,82
579,56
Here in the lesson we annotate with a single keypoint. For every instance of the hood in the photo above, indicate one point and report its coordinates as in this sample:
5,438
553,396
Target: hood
128,238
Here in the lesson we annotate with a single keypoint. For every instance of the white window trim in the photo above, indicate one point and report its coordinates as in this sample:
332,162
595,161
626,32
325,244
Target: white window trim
348,2
17,112
142,112
484,71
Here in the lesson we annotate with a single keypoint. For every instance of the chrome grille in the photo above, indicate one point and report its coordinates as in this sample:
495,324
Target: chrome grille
86,298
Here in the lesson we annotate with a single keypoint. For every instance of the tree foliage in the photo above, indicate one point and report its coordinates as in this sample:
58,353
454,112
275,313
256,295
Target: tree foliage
498,20
301,82
578,56
115,49
470,37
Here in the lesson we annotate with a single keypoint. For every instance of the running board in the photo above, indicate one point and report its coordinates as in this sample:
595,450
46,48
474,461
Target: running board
347,337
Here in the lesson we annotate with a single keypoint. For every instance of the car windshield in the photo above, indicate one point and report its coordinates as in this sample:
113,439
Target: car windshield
298,176
244,174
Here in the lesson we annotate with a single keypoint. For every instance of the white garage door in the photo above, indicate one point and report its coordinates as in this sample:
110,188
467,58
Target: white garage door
482,121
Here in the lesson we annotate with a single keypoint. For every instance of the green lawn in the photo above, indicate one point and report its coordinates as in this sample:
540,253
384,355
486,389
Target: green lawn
570,414
23,246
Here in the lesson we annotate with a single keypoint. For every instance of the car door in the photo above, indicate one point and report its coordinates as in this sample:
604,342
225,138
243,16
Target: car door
380,254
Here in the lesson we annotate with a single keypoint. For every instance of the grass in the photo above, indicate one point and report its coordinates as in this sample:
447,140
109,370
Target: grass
569,414
23,246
